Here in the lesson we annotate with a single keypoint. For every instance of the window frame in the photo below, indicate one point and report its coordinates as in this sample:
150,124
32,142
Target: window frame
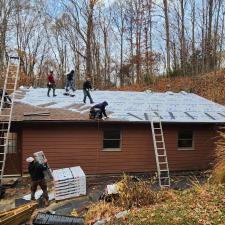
112,149
12,143
192,148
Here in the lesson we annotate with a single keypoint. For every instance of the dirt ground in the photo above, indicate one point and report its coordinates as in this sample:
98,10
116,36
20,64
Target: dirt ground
95,187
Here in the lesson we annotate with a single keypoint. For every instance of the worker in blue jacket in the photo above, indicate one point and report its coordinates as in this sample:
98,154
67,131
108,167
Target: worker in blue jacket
98,110
86,89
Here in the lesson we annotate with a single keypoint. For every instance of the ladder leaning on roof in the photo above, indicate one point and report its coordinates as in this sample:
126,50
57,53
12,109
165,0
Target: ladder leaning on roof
160,149
10,85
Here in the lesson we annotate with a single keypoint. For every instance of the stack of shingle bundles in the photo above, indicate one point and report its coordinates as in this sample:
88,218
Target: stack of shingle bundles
79,178
40,157
69,182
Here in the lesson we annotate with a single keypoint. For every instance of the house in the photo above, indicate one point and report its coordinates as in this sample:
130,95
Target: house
61,128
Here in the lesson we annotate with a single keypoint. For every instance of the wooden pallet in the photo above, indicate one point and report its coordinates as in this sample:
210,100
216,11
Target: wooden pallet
18,215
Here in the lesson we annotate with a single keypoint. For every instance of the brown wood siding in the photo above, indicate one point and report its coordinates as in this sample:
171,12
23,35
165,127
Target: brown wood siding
73,145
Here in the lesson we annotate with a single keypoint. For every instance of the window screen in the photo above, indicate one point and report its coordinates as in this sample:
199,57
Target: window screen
185,139
111,139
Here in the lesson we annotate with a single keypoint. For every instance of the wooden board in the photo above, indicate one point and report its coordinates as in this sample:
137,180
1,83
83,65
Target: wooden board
18,215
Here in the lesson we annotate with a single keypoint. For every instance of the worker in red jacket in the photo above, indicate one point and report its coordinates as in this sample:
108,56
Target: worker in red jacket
51,84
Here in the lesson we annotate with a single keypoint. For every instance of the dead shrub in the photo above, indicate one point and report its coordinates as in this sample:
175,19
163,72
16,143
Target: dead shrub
134,193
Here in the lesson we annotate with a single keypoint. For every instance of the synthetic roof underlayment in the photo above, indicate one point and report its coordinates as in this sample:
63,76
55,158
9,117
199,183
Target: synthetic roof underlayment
131,106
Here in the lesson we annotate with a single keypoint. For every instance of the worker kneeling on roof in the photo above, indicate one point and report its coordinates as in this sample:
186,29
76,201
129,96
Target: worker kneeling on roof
36,171
96,111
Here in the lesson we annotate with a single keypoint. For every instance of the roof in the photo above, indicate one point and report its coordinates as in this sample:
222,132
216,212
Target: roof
123,106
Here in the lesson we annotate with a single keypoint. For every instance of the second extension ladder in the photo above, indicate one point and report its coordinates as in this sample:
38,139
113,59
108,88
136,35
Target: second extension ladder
6,108
160,149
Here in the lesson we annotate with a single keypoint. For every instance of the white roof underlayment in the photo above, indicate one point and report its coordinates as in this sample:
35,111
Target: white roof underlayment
131,106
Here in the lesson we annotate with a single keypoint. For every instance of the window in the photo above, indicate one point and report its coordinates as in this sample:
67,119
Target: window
185,140
12,142
111,139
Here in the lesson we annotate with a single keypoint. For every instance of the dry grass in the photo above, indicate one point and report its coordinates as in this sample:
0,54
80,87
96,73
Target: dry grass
201,204
101,210
131,194
218,173
210,86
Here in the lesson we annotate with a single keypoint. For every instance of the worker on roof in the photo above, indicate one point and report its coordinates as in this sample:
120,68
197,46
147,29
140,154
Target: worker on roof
36,171
70,78
7,100
98,110
51,84
86,89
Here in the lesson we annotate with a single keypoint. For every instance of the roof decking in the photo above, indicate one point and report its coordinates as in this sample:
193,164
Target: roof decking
123,106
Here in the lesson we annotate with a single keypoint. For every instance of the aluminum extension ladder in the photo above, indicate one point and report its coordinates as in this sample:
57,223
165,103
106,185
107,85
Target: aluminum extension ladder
160,149
10,85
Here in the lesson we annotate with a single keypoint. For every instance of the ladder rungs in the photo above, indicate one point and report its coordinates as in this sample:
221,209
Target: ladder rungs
2,153
164,177
163,162
164,171
161,155
159,141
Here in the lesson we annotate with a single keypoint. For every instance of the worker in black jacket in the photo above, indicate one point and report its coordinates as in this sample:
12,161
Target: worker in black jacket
86,89
70,81
36,171
98,110
7,100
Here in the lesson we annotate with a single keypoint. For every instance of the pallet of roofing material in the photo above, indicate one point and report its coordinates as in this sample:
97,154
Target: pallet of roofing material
50,219
69,182
40,157
64,185
18,215
79,178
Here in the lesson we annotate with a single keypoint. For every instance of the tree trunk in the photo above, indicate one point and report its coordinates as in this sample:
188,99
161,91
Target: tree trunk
165,4
89,40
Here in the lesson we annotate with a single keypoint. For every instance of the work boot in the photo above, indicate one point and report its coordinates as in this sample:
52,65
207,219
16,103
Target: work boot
46,202
48,92
32,197
54,95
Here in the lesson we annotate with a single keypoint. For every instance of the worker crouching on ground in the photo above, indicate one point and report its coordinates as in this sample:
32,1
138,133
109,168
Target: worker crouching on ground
97,111
36,171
